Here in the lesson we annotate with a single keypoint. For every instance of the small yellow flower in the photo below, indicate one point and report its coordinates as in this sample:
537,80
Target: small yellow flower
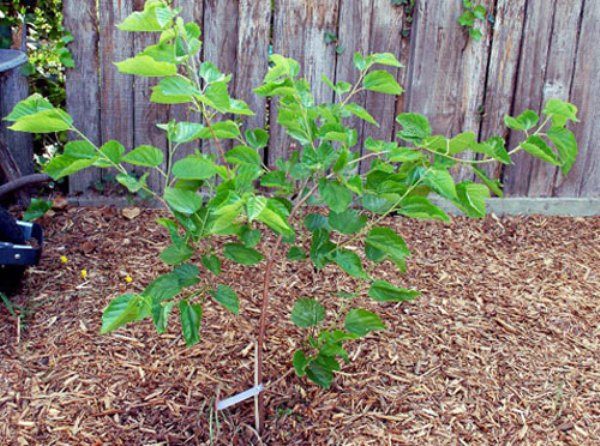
84,274
63,259
128,278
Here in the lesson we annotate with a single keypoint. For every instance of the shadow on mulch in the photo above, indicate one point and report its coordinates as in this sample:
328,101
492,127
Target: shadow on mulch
503,347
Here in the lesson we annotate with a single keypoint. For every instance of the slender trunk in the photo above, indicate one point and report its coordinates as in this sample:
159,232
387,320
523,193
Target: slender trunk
262,329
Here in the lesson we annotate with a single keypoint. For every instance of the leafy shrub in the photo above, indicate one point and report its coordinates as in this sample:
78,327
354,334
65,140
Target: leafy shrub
232,194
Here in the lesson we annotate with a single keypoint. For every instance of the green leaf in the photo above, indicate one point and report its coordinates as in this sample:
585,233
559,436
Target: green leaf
494,185
314,222
147,156
184,201
537,147
174,90
122,310
350,263
111,153
145,66
348,222
383,291
421,207
566,145
212,263
255,206
415,127
194,167
276,218
561,112
160,315
382,81
472,196
384,59
243,155
37,209
320,370
307,313
440,181
525,121
132,183
45,121
191,319
361,113
241,254
300,363
296,253
64,165
386,241
227,297
30,106
495,148
257,138
250,237
176,253
155,17
337,196
361,322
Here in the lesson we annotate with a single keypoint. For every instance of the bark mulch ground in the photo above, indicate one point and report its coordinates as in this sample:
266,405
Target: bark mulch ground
503,347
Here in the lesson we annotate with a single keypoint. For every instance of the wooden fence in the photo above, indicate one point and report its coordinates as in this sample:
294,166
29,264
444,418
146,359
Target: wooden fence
536,49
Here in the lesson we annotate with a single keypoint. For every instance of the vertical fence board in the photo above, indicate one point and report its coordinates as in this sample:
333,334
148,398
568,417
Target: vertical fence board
191,11
447,69
386,37
83,95
147,114
559,74
354,32
529,89
584,178
502,73
220,44
254,33
116,89
299,32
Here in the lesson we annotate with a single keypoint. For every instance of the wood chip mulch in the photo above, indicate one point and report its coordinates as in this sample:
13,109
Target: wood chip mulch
502,349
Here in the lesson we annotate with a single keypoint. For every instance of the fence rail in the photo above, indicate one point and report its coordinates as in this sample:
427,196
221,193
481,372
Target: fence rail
535,49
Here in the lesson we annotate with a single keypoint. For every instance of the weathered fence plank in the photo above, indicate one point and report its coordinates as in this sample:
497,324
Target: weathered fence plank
530,86
116,90
254,32
192,11
584,179
502,73
385,36
146,114
83,95
447,69
299,32
559,75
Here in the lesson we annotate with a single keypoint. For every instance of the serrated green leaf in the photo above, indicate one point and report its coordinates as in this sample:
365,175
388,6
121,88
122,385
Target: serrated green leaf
242,254
194,167
307,313
145,66
176,254
227,297
415,127
212,263
190,316
147,156
349,262
361,322
361,113
184,201
337,196
348,222
300,363
537,147
383,291
473,196
566,145
421,207
155,17
382,81
525,121
296,253
122,310
440,181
